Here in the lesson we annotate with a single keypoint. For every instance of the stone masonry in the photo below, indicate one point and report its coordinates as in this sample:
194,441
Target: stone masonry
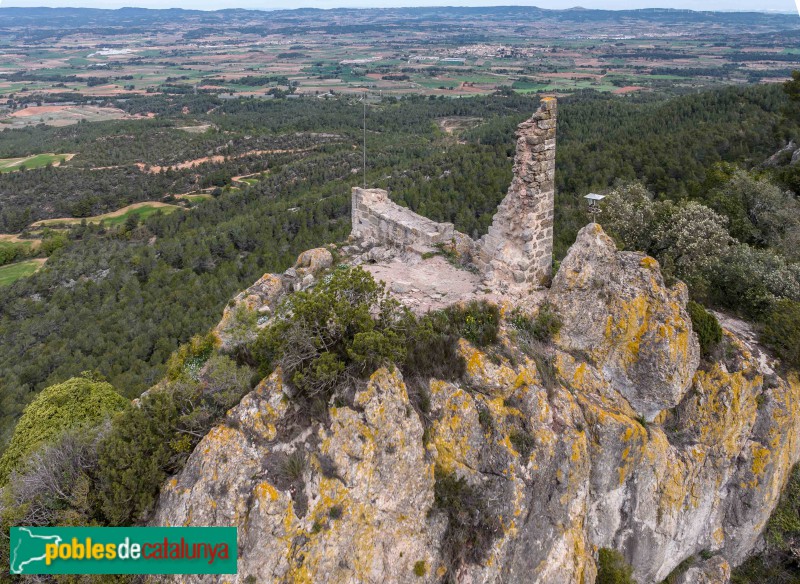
378,220
519,245
517,251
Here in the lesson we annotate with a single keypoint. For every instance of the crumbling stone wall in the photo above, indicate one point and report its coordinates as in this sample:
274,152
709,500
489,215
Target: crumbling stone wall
519,245
518,249
377,219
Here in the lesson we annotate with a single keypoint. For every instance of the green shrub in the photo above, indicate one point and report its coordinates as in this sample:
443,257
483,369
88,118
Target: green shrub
612,568
783,528
149,442
706,325
779,561
190,357
52,242
782,331
11,253
432,348
420,569
478,321
80,402
137,457
679,570
543,327
522,442
485,418
242,327
471,528
344,327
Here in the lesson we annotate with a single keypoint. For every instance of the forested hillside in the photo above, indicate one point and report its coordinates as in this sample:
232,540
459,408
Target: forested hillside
120,300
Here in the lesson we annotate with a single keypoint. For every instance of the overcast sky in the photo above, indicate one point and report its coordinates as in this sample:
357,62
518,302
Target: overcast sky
772,5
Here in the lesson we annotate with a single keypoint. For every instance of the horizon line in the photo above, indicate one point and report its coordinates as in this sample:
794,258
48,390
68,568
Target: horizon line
3,5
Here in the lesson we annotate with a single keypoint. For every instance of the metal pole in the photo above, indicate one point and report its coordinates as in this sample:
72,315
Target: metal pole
365,139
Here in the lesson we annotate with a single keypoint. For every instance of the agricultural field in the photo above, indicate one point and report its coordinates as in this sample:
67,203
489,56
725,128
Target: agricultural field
32,162
13,272
60,77
57,115
194,197
139,210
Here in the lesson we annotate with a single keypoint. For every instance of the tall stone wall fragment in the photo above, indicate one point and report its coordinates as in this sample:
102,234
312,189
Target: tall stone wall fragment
518,248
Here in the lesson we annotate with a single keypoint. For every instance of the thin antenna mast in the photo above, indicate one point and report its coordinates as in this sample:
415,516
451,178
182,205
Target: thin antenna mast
365,139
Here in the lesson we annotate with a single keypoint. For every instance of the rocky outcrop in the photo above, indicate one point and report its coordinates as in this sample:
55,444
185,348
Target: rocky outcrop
352,510
610,437
620,315
789,152
714,571
251,309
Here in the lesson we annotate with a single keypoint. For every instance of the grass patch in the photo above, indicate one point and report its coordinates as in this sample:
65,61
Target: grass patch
522,442
195,198
543,327
13,272
31,162
485,418
478,321
141,211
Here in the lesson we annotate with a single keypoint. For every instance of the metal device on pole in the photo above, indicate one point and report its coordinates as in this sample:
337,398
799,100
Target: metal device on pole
594,204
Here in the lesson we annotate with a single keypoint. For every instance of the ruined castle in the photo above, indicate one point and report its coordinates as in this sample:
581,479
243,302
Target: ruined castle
517,250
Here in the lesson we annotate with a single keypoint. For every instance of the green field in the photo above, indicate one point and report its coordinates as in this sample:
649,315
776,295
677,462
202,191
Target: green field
196,198
31,162
141,210
10,244
13,272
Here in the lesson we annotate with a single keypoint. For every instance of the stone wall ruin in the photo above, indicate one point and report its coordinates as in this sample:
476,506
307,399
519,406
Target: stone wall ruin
378,220
517,250
519,245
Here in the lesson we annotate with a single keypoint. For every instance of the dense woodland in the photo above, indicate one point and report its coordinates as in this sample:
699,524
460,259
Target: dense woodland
147,288
122,303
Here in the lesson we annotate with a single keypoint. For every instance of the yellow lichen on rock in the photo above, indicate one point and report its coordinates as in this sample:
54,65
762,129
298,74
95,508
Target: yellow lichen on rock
615,440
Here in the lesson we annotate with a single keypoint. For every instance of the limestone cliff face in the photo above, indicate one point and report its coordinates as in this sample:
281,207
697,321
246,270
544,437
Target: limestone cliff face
702,475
